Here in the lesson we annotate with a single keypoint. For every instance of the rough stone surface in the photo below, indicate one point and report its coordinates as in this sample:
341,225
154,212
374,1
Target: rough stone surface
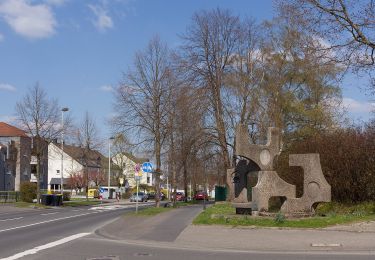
262,155
316,188
260,158
270,185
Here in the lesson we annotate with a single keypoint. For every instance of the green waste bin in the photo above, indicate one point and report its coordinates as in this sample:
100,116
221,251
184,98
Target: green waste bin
220,193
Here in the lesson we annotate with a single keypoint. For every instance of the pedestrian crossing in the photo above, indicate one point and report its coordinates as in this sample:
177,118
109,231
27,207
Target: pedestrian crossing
119,206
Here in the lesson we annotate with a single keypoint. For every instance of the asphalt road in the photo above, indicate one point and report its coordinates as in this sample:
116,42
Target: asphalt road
21,231
69,233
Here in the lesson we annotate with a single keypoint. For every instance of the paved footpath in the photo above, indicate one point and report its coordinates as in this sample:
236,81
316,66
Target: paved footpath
173,229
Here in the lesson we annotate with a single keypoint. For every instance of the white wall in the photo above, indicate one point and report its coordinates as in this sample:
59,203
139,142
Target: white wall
54,163
129,170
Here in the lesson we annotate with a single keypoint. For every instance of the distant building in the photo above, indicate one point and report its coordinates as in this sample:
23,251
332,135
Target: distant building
126,163
15,166
75,159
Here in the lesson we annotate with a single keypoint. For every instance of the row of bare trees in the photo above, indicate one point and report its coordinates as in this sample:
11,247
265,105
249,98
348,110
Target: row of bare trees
40,116
185,103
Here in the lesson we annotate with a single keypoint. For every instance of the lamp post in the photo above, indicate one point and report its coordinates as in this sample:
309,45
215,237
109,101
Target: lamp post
109,164
65,109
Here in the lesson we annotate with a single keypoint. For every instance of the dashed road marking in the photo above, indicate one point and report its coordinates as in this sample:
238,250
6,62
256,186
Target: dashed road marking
46,246
10,219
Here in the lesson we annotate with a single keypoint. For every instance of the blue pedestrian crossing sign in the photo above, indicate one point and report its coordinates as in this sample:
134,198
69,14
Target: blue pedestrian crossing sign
147,167
101,190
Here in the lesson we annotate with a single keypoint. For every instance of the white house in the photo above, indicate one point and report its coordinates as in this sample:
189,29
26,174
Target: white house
73,160
126,163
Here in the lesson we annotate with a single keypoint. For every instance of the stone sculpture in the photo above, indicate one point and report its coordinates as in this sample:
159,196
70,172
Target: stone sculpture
258,160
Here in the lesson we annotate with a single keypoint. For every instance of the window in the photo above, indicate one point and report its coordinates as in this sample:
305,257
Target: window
148,179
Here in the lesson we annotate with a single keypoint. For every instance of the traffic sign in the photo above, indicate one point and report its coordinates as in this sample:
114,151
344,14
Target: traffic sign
101,190
137,167
147,167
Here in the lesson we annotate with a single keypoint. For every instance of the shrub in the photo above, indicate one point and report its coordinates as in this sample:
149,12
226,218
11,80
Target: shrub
279,218
66,196
28,191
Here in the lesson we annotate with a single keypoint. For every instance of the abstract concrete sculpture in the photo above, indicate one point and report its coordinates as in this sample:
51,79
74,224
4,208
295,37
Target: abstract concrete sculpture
258,161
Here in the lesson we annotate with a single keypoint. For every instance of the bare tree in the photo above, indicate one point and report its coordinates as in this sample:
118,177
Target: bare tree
208,47
344,26
143,101
39,116
88,139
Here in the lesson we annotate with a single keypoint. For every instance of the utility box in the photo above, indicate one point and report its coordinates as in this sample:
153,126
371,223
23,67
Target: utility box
220,193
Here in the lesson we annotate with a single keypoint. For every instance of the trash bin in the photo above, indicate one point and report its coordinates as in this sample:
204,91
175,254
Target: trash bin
56,200
46,199
220,193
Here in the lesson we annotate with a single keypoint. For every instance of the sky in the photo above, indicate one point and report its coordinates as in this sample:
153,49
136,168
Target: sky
78,50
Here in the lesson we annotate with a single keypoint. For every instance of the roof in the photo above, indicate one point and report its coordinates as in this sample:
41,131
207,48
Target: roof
135,159
58,181
11,131
95,158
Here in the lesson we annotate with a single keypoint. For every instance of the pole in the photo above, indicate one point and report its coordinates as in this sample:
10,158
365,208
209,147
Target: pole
167,188
62,150
109,166
136,201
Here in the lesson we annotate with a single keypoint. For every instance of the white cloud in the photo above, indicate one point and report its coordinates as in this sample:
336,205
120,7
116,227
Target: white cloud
7,87
102,20
31,21
106,88
355,106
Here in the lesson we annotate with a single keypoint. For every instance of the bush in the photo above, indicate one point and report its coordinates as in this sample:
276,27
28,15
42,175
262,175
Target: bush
66,196
279,218
28,191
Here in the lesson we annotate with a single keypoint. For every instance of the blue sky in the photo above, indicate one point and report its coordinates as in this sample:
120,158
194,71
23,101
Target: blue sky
78,49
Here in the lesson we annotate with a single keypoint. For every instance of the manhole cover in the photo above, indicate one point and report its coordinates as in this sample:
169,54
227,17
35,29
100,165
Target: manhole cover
110,257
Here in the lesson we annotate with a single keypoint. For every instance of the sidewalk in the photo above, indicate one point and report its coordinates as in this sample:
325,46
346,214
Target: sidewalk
358,237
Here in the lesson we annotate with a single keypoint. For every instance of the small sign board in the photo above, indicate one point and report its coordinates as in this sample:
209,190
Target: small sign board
101,190
137,176
147,167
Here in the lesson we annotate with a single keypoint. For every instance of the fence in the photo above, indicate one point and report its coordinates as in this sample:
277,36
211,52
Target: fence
9,196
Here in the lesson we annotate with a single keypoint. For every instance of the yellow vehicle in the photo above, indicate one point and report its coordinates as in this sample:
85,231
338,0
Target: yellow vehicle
93,193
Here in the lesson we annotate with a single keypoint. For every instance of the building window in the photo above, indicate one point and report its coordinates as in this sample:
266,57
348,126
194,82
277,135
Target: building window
148,180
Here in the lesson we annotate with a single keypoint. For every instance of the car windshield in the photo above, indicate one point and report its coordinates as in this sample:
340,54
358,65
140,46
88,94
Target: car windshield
139,193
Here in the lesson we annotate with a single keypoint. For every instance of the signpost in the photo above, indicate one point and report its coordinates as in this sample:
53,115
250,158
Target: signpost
137,169
147,167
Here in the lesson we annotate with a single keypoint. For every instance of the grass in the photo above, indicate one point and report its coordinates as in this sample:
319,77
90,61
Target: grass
81,202
21,204
152,211
224,214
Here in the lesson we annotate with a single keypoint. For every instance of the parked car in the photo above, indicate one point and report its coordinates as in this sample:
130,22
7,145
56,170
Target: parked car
201,195
142,197
151,196
180,196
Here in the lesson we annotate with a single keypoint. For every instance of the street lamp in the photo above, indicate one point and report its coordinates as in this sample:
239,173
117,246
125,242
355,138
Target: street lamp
65,109
109,163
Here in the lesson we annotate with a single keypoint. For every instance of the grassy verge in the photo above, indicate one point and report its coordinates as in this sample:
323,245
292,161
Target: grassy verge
21,204
82,202
152,211
224,214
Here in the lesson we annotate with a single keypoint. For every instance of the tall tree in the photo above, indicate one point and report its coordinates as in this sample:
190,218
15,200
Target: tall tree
39,116
346,27
143,101
88,139
207,50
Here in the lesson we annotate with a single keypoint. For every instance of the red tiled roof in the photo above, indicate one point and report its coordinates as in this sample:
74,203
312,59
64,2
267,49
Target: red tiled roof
8,130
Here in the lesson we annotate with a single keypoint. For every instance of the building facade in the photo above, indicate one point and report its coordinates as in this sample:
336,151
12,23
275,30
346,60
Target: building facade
16,146
125,163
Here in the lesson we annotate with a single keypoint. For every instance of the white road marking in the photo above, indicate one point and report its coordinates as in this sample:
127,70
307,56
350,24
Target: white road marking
325,245
10,219
47,221
45,214
46,246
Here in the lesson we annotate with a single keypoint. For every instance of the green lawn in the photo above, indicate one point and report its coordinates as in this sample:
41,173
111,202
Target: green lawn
151,211
224,214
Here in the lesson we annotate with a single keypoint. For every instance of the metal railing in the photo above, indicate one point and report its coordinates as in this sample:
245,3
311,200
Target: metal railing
9,196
